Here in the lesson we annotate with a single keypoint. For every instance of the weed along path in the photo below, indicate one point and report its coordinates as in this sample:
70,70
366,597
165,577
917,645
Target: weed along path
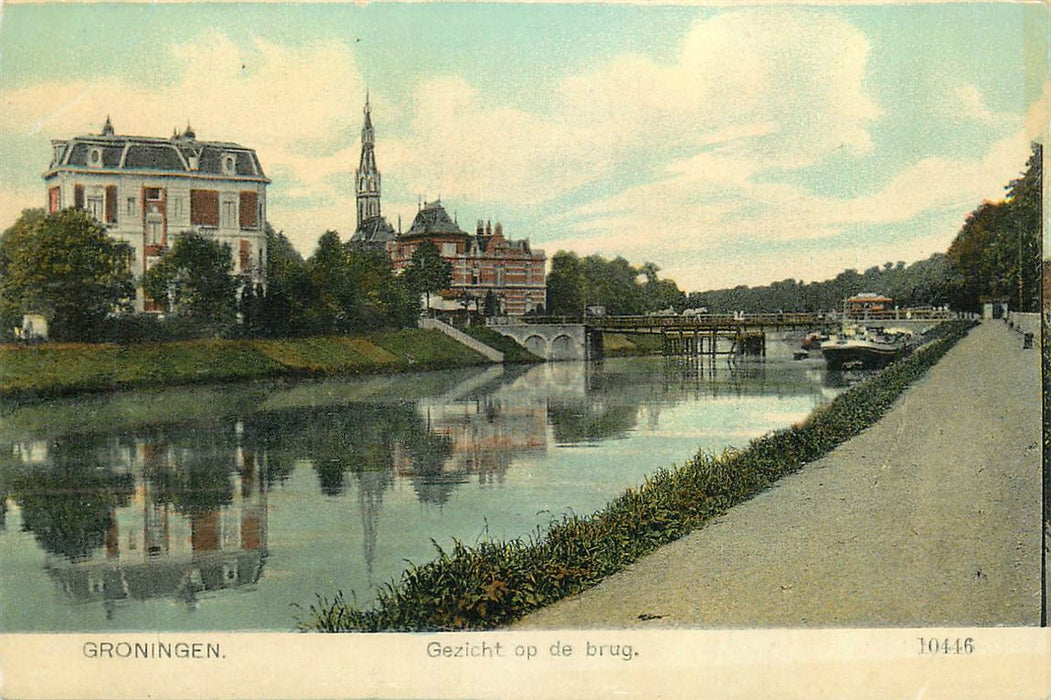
931,517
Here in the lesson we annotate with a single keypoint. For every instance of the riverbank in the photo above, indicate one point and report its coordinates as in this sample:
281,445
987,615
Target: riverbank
56,369
495,582
931,517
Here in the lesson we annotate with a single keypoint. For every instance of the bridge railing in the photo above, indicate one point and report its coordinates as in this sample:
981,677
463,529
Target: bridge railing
726,320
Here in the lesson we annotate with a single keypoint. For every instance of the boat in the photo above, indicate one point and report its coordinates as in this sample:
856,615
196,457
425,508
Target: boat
866,348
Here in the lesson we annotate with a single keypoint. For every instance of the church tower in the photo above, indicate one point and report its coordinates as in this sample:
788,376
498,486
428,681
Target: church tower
367,183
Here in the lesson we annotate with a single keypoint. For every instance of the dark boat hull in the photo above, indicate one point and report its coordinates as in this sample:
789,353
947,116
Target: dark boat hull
862,355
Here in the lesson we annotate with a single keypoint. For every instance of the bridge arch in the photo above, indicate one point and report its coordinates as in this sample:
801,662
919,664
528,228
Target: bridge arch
563,348
536,345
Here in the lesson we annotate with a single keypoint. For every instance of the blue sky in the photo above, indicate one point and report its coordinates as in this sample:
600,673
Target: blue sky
728,145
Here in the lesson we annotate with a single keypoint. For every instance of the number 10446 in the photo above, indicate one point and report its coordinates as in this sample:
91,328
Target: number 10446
946,645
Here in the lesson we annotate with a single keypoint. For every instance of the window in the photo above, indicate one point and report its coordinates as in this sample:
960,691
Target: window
229,213
78,196
448,250
95,206
130,208
95,158
249,209
244,255
153,194
177,207
154,230
204,207
54,199
229,164
111,204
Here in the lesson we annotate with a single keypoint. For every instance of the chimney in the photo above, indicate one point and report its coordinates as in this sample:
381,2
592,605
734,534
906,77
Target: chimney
488,229
499,230
480,231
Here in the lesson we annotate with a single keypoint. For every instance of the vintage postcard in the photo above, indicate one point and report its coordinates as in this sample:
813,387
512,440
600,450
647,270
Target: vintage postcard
523,350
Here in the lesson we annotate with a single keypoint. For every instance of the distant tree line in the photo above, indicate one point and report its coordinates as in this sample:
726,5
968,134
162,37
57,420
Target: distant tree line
994,257
576,283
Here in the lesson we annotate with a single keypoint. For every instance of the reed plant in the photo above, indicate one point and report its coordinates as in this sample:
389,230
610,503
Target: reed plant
496,582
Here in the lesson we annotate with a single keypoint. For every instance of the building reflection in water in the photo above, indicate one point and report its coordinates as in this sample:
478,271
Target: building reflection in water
179,510
135,519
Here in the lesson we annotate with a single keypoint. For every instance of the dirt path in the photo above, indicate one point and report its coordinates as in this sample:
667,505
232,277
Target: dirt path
929,518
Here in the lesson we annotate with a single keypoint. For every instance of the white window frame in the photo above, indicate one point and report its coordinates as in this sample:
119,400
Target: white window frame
95,204
154,225
228,212
229,163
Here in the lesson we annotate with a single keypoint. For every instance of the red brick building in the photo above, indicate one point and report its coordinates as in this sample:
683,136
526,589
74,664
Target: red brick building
483,262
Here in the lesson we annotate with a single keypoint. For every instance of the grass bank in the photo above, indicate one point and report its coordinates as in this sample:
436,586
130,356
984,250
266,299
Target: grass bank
622,345
57,369
513,352
496,583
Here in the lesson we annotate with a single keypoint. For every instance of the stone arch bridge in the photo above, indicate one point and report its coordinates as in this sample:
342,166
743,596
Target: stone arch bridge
555,341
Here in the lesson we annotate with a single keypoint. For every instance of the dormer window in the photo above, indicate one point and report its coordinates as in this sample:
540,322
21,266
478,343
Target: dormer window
229,164
95,158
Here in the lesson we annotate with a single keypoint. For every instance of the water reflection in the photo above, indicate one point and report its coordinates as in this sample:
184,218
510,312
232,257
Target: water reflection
124,518
168,495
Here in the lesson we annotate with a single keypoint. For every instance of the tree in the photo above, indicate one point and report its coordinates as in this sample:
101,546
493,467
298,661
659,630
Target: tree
194,281
334,306
428,271
285,306
65,267
385,300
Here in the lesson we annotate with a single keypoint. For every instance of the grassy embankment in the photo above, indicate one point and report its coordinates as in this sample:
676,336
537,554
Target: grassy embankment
621,345
56,369
495,583
513,352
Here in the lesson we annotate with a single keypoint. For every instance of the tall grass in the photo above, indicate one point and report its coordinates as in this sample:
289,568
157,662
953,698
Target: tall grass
494,583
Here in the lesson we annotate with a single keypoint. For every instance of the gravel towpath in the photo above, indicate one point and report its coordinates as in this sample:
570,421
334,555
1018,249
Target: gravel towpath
931,517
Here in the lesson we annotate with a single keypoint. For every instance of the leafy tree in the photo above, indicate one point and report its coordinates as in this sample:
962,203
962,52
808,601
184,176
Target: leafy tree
334,308
565,285
428,272
998,249
385,299
575,283
65,267
285,306
194,281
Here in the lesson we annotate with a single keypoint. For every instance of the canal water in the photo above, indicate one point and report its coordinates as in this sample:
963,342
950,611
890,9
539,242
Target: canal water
232,508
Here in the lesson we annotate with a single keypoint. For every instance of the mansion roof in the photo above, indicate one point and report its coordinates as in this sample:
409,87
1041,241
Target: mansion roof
432,219
182,153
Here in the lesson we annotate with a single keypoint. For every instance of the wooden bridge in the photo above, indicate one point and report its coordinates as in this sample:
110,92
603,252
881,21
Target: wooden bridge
701,334
713,334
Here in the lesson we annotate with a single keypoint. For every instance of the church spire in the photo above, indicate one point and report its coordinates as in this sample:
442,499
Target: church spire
367,176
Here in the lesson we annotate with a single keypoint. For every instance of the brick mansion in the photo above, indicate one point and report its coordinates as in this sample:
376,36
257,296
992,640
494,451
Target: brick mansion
483,263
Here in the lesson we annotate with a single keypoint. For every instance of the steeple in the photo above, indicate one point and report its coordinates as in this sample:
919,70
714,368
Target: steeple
107,128
367,176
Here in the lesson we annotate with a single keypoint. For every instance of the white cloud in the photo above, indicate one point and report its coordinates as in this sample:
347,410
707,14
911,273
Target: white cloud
733,79
290,104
